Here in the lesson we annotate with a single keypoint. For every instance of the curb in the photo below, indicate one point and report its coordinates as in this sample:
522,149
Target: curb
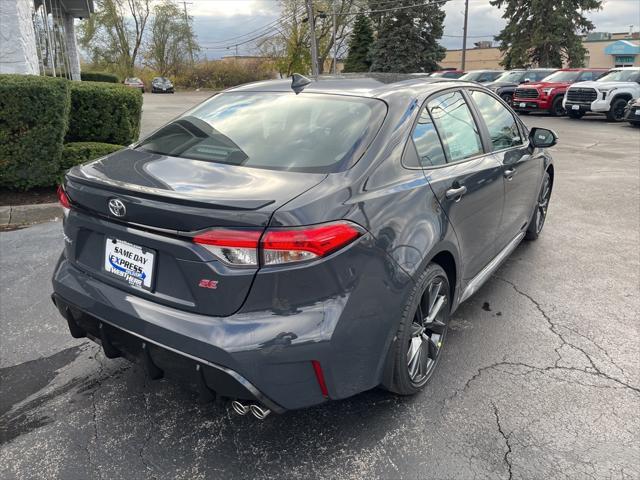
20,215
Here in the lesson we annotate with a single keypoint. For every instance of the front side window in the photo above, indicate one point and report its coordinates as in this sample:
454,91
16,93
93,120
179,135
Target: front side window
458,130
427,142
278,131
502,125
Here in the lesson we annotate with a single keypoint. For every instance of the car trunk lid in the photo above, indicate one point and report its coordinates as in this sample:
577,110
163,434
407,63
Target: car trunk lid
166,200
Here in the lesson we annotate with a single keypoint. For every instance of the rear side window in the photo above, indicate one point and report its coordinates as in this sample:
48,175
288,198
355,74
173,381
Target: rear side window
458,130
277,131
427,142
502,125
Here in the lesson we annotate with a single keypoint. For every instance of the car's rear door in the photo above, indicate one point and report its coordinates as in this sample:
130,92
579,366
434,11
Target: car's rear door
466,181
522,166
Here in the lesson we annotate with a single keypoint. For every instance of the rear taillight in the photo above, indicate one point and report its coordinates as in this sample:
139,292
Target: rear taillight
236,247
278,246
63,198
306,243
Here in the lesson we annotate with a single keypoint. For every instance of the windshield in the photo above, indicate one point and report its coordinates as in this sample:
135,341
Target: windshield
570,76
278,131
133,80
621,76
511,77
471,76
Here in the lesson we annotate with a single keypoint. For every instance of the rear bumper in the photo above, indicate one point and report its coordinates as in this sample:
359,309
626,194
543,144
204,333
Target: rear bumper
211,379
269,353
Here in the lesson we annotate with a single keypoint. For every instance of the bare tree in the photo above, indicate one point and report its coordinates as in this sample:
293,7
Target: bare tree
170,40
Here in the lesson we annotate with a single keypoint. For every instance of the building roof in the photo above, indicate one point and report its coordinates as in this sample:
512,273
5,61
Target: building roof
76,8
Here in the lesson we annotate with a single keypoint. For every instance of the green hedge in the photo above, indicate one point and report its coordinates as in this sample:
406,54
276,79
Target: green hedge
80,152
102,112
33,121
99,77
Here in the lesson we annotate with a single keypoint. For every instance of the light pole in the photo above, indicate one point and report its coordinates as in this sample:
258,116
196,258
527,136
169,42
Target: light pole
312,34
464,34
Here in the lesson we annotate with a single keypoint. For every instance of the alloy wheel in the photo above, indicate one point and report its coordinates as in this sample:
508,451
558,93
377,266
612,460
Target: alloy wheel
543,203
428,330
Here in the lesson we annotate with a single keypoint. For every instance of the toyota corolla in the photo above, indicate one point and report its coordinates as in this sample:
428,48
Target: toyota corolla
286,242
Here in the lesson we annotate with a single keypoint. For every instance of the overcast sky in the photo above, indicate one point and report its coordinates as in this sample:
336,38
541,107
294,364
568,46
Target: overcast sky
217,21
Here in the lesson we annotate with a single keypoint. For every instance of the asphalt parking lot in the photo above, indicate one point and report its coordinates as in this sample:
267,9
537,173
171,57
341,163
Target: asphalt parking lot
540,377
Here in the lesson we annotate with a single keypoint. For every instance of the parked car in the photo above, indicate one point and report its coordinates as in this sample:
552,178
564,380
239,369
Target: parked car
481,76
161,85
548,94
447,74
632,112
608,95
506,84
134,82
284,244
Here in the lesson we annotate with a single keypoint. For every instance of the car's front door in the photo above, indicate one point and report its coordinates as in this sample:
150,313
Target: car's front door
522,166
466,181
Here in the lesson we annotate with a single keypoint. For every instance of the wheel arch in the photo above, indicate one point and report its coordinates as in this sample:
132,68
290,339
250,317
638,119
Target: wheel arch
447,261
624,96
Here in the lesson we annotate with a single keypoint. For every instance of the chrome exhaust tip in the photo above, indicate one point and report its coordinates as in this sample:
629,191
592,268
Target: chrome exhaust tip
259,412
239,408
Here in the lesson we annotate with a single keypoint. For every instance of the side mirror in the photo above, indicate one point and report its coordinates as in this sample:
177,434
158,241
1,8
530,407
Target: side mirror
542,137
526,80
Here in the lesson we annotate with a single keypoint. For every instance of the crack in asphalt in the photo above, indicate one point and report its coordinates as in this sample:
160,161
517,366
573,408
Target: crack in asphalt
506,438
554,329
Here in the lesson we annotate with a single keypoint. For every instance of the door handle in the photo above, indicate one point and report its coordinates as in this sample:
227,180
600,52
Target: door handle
508,174
456,193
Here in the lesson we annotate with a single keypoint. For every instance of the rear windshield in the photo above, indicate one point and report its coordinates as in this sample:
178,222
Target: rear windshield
621,76
277,131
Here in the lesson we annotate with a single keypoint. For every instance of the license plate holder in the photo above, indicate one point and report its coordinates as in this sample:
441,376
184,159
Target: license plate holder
522,104
575,107
129,262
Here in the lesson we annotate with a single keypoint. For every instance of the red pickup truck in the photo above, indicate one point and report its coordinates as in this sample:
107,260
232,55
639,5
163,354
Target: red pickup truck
547,95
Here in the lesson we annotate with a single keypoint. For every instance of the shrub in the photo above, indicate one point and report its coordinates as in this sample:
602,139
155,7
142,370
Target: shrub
220,74
33,121
102,112
76,153
99,77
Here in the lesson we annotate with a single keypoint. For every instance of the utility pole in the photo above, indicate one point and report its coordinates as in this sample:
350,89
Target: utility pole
186,21
312,34
335,46
464,34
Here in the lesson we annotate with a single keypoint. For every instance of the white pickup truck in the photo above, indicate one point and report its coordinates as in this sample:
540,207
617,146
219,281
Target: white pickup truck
609,94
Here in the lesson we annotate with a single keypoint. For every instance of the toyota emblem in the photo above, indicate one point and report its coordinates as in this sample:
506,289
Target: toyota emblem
117,208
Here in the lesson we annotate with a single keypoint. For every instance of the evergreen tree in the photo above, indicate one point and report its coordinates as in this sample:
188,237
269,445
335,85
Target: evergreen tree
544,33
360,43
408,37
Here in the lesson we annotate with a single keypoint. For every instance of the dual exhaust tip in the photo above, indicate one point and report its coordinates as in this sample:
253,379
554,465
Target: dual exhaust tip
241,409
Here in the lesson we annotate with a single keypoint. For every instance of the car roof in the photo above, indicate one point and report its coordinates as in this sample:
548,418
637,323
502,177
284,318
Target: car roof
373,85
584,69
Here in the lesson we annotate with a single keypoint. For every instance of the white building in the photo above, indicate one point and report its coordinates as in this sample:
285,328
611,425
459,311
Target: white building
37,37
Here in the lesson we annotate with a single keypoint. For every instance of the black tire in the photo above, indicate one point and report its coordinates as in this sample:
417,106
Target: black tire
557,110
540,210
616,111
507,97
428,341
575,114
